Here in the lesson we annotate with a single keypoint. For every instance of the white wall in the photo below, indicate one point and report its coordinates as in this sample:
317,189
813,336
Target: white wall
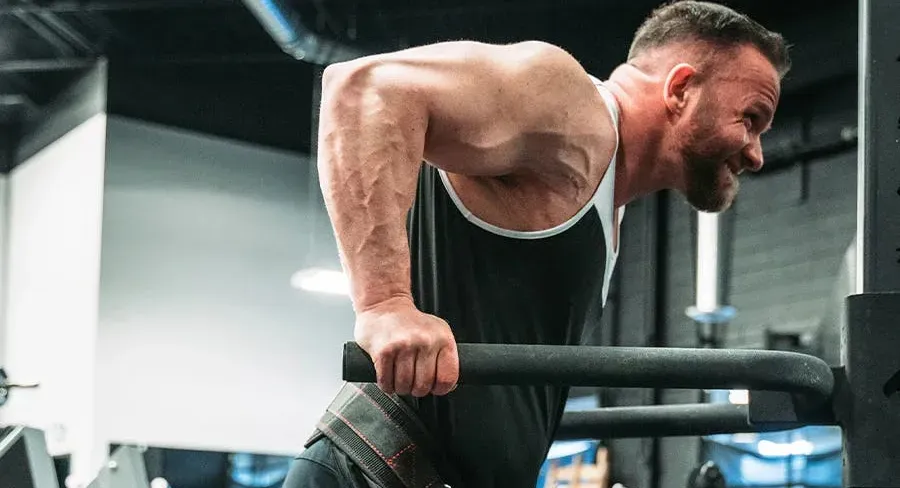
54,215
202,342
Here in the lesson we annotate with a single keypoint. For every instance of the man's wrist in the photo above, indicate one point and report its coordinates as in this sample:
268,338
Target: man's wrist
390,301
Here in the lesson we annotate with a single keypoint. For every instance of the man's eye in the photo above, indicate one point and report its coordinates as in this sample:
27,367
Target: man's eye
749,121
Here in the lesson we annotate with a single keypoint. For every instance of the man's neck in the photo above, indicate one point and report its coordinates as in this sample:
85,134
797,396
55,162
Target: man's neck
641,167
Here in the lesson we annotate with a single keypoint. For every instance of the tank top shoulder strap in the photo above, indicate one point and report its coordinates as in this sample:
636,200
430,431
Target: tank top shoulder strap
603,200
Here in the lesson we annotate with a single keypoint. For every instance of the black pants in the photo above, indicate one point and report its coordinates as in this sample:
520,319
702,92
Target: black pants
323,465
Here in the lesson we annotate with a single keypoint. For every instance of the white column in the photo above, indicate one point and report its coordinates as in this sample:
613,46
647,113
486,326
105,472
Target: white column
52,278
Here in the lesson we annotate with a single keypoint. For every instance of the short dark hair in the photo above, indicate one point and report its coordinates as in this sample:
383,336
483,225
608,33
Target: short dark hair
691,20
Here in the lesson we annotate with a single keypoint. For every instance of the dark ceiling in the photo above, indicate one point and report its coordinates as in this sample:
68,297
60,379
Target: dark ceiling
220,48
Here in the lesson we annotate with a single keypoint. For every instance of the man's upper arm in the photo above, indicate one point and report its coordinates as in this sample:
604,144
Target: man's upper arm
480,95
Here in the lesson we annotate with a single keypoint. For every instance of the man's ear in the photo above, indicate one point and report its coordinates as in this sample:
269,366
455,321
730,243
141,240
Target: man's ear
676,89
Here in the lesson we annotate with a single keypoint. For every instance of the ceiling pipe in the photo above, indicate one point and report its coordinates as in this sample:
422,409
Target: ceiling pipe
284,25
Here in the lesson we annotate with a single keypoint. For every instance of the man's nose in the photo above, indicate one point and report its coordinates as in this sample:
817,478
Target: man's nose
753,154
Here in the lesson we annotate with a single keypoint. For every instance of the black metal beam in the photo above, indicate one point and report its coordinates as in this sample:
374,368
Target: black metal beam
70,6
214,59
67,32
35,65
60,45
660,421
74,63
627,367
499,7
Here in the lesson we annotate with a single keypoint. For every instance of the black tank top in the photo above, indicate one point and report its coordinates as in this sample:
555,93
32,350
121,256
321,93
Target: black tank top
498,286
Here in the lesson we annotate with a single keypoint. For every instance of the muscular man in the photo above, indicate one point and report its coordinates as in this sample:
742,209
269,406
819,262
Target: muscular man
476,193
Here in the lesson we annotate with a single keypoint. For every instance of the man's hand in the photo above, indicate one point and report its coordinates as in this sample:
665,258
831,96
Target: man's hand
414,353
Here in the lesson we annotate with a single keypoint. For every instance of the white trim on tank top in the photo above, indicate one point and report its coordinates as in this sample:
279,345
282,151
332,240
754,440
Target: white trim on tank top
520,234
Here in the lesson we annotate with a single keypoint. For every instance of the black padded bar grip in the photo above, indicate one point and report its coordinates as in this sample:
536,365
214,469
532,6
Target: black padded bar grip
626,367
660,421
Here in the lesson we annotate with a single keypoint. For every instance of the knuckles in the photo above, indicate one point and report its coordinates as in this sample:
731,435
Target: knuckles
411,342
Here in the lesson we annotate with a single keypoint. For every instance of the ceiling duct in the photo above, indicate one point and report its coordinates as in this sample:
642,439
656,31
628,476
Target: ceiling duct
284,25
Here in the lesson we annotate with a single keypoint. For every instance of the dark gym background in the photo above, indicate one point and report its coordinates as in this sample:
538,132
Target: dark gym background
208,66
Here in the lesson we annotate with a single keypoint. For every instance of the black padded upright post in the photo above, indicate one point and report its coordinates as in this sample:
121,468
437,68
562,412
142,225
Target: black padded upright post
868,404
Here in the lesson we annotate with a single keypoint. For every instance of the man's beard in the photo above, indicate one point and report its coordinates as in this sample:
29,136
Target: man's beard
710,186
705,184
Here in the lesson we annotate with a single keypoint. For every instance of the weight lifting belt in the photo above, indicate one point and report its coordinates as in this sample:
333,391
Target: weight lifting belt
382,436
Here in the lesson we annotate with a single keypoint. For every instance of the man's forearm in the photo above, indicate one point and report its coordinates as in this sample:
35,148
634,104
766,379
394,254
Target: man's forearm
370,149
